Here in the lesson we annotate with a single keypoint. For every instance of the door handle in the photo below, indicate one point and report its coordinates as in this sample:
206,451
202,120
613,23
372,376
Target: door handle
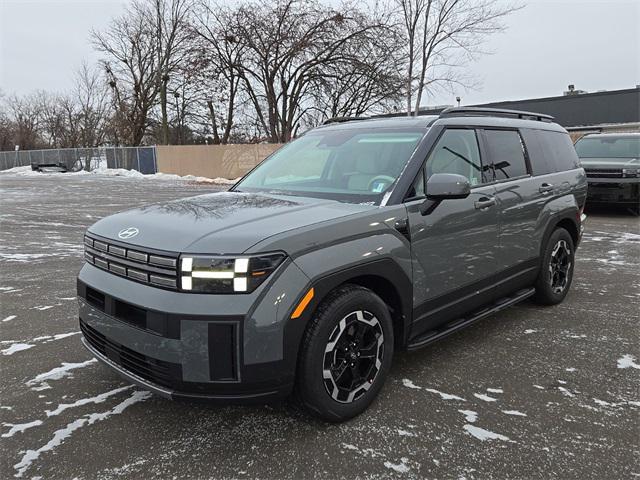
546,188
484,202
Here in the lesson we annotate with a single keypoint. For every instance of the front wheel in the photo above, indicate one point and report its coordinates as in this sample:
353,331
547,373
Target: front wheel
556,272
345,355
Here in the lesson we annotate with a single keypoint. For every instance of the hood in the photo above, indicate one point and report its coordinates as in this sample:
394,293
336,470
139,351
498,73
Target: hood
610,162
220,223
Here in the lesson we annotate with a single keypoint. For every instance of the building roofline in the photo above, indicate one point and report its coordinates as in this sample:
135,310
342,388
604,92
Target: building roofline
544,99
568,97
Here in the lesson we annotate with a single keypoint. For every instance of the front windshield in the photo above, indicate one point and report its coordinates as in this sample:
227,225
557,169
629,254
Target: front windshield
351,165
608,147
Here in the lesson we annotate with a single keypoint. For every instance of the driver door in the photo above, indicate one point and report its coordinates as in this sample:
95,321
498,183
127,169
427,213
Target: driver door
454,247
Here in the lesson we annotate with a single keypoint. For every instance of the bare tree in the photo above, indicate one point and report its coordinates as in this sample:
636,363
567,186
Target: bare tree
288,44
442,36
131,70
220,57
171,19
368,82
25,115
91,98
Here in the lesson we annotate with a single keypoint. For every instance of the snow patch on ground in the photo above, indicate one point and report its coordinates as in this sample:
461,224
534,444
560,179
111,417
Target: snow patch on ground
366,452
445,396
483,435
484,397
401,467
530,330
469,415
9,318
63,434
52,338
514,412
495,390
57,373
628,361
43,307
19,427
85,401
566,392
405,433
17,347
409,384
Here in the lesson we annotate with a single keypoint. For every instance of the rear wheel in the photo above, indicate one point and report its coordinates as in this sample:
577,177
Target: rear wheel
345,355
556,272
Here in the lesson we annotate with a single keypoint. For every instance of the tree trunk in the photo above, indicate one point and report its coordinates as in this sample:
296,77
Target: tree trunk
214,124
163,107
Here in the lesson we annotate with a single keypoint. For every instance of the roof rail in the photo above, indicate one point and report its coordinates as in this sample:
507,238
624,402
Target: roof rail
342,120
495,112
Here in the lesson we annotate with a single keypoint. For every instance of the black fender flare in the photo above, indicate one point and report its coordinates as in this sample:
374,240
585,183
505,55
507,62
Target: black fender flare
554,221
384,268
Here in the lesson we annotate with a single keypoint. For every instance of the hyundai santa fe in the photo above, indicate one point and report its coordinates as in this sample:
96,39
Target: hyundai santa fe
360,238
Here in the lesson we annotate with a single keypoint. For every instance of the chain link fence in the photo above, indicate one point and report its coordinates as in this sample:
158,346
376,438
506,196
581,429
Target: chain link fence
142,159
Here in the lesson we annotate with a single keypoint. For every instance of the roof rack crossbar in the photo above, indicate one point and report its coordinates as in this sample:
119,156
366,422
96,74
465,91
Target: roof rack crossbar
496,112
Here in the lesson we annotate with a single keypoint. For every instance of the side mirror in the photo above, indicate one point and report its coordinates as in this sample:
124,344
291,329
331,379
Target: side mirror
444,186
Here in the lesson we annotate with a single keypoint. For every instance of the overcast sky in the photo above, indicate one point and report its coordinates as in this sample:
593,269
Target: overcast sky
548,45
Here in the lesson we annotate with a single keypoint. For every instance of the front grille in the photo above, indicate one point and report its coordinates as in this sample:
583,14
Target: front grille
157,371
134,263
603,172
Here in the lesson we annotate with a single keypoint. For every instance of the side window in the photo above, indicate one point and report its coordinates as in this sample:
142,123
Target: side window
507,153
457,152
550,152
539,156
560,149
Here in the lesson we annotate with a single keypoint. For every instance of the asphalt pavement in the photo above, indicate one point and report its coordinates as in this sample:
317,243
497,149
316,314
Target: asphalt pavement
528,393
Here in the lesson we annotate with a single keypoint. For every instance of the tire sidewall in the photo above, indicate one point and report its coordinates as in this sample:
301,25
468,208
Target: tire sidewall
544,287
311,382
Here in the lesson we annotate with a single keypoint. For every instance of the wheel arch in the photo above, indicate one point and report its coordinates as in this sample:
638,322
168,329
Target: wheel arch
383,276
568,221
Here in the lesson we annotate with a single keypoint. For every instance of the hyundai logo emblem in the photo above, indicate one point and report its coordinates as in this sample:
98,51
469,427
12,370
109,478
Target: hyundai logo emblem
128,233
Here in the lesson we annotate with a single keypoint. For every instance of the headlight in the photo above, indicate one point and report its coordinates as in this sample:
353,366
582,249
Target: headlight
631,172
218,274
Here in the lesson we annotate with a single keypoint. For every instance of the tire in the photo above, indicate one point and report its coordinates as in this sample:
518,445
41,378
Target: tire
553,282
328,349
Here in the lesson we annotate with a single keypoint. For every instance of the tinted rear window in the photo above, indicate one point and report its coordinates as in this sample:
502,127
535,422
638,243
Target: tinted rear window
506,153
549,151
608,147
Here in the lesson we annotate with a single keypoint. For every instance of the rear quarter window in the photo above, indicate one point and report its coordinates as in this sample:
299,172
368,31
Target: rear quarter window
550,151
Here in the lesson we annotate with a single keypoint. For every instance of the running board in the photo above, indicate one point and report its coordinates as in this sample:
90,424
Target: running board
455,325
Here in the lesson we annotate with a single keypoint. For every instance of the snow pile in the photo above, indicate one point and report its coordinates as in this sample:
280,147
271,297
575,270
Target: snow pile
121,172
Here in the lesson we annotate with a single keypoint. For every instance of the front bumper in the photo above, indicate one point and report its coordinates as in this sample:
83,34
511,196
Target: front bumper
614,190
231,348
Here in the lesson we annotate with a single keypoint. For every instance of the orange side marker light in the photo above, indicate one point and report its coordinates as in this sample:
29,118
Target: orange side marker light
303,304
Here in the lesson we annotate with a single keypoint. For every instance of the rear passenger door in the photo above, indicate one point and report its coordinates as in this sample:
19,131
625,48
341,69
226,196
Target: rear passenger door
519,196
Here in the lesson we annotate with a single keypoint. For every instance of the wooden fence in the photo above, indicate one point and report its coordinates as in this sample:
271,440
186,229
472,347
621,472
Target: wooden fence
213,161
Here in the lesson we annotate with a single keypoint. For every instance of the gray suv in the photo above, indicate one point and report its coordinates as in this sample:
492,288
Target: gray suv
360,238
612,164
